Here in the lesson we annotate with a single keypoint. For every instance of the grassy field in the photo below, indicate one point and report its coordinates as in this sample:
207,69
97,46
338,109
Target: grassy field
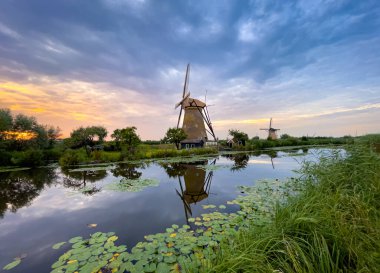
332,226
79,156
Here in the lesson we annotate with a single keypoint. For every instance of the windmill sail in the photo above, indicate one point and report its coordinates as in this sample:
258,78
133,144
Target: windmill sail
196,121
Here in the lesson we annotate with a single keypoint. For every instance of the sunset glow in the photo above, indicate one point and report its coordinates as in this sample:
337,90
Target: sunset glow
16,135
315,73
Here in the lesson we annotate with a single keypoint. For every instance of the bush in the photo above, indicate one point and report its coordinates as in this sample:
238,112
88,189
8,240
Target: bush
53,154
69,158
29,158
5,158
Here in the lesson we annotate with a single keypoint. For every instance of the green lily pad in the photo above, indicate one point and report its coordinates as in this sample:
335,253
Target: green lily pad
13,264
58,245
75,239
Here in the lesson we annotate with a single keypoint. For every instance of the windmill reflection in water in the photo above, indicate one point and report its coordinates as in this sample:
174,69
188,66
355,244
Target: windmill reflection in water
194,182
197,186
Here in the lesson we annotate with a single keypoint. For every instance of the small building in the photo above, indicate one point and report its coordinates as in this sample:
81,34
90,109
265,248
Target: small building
235,142
192,143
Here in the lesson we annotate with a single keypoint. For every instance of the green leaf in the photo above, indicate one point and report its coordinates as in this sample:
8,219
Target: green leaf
222,206
112,238
75,239
12,264
58,245
57,264
169,230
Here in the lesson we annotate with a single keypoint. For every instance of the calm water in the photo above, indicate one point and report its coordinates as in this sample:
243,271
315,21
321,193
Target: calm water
41,207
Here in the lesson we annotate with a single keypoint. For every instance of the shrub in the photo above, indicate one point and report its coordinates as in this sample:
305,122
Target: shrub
69,158
5,158
30,158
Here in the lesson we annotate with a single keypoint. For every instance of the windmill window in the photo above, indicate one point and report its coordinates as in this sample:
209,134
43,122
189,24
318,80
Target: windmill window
192,146
187,146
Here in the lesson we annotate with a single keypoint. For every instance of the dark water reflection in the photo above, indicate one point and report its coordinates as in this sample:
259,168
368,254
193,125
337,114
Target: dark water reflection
44,206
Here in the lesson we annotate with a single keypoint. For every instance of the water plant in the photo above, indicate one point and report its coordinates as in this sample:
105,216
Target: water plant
331,226
132,185
189,246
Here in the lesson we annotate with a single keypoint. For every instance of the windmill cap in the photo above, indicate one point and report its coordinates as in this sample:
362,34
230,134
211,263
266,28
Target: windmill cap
190,102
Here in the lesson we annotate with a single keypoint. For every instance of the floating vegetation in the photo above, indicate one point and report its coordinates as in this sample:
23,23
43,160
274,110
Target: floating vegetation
13,264
210,167
13,169
132,185
91,255
186,159
92,169
178,247
58,245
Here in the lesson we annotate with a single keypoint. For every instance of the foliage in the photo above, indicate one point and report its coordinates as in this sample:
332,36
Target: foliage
70,158
30,158
332,226
13,264
87,136
177,247
5,158
238,136
285,136
22,139
90,255
53,133
6,120
24,123
174,135
128,137
132,185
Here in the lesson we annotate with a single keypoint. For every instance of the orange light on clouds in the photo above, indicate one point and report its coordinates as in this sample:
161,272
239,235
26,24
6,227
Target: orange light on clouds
18,135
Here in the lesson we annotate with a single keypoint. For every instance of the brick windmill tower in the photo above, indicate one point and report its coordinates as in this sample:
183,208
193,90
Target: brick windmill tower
196,121
271,131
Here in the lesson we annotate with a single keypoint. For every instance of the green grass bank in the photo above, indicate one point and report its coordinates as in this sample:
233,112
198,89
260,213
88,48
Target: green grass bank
331,226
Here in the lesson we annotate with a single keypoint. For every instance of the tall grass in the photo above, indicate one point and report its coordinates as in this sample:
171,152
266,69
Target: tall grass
332,226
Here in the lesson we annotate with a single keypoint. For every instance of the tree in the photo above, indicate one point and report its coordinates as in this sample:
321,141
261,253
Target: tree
53,133
238,136
128,137
117,136
24,123
6,120
285,136
87,136
175,135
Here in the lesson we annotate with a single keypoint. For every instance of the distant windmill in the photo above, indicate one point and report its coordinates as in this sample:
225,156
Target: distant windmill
195,118
271,131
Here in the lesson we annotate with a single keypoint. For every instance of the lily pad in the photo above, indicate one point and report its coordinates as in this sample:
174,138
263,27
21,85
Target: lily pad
91,169
58,245
132,185
13,264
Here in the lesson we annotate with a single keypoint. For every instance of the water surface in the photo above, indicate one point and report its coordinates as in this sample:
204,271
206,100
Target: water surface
41,207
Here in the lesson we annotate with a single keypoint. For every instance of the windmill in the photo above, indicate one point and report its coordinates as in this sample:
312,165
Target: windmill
196,120
271,131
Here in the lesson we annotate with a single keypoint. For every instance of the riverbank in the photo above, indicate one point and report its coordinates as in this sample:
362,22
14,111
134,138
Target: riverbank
78,157
332,226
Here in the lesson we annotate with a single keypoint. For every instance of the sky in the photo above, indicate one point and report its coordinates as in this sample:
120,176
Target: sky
311,65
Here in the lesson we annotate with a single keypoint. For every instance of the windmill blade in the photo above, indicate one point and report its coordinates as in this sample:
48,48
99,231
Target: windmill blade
186,84
179,117
270,123
183,99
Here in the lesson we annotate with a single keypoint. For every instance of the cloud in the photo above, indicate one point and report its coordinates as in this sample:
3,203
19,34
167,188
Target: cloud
122,63
9,32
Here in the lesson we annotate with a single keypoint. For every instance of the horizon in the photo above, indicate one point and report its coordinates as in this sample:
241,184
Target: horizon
313,66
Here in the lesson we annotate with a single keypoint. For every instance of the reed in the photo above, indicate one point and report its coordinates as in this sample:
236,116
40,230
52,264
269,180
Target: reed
331,226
